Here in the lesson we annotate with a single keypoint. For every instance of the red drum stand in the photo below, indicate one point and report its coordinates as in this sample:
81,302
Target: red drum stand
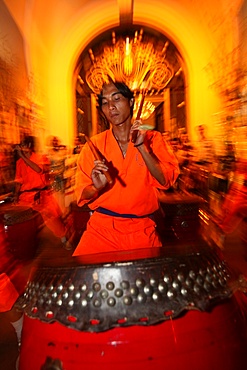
198,340
173,310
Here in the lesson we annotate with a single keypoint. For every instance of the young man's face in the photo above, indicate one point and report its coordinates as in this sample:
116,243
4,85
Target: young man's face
115,106
25,148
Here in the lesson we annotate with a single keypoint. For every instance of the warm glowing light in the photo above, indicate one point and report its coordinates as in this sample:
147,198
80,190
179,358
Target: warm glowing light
147,109
128,59
135,61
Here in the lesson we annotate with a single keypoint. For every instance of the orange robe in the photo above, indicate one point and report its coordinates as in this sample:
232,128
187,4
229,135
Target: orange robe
234,207
134,192
46,204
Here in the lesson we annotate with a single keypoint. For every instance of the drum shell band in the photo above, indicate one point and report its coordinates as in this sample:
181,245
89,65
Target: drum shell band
98,297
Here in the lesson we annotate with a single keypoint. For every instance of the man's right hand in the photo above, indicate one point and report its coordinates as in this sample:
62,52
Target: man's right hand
98,177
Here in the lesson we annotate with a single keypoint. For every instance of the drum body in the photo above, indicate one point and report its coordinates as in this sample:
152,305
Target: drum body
201,179
243,233
172,309
197,340
180,219
21,227
218,186
218,183
195,179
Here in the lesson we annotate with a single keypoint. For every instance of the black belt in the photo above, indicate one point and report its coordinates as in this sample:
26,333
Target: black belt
124,215
37,192
35,189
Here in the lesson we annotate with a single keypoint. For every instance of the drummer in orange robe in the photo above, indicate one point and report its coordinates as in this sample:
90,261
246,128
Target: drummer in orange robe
32,190
234,206
124,207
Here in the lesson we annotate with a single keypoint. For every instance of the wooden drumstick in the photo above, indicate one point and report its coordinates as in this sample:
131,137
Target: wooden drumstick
135,132
98,157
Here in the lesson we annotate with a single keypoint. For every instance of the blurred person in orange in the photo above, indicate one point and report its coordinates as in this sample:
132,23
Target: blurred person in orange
123,207
78,144
234,207
185,150
57,154
205,150
32,187
5,169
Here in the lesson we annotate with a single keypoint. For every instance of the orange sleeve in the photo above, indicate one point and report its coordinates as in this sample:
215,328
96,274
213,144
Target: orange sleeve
18,175
85,164
166,158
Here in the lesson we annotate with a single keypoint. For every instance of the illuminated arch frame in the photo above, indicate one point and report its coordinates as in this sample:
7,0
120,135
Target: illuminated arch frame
162,17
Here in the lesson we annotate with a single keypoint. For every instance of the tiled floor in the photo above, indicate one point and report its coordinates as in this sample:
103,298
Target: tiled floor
50,247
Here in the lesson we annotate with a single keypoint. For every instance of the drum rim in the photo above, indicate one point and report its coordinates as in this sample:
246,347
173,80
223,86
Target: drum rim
139,292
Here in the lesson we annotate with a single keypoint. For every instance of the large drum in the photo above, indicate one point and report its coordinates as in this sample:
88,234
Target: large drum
218,183
21,227
178,218
195,179
156,309
218,186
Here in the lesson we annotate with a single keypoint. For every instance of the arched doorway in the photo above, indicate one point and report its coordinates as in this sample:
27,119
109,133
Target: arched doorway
149,62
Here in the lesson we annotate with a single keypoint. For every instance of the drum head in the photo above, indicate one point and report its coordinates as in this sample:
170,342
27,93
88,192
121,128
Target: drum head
14,214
